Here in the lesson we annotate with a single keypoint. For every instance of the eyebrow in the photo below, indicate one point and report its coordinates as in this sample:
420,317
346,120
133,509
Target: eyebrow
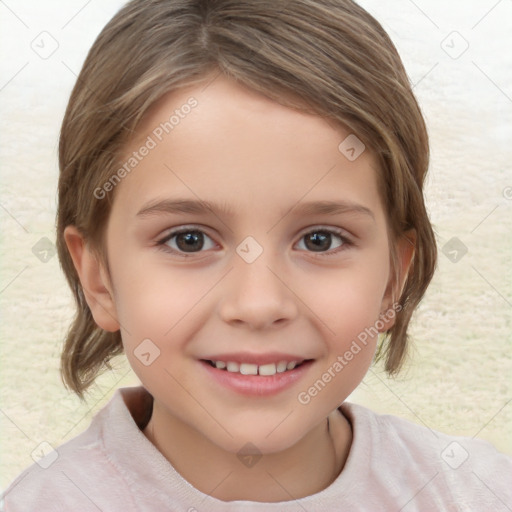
171,206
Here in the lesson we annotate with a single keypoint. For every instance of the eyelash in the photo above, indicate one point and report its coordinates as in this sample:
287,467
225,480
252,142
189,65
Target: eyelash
346,242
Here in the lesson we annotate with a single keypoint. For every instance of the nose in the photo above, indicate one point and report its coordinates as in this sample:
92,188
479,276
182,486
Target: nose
257,296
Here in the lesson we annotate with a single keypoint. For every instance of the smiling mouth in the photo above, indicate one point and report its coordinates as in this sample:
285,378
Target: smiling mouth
264,370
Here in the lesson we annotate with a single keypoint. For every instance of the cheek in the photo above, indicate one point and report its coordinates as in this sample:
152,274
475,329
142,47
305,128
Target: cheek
347,299
153,297
347,314
347,304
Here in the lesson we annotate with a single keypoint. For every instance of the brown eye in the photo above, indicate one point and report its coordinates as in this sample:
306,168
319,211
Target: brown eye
190,242
318,241
186,241
322,240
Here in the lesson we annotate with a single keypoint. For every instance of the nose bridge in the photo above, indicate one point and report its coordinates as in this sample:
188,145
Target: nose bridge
256,294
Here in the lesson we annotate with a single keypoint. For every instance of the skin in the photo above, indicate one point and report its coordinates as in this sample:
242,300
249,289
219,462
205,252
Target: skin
262,160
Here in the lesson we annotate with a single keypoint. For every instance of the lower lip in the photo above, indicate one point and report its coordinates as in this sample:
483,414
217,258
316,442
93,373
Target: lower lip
256,385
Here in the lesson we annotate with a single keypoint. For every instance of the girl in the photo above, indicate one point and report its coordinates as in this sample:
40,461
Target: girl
241,213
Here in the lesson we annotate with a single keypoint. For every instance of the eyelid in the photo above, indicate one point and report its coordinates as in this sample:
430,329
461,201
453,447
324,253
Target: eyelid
331,229
182,229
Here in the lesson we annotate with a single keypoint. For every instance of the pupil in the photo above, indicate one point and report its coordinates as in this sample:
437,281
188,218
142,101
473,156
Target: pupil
320,240
192,241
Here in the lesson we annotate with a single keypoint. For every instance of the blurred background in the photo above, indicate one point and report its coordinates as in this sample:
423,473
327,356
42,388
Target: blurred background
458,378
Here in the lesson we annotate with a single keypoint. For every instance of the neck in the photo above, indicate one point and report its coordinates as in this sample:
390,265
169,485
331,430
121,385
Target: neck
304,469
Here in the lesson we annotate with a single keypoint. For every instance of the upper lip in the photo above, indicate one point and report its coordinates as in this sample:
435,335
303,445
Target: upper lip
252,358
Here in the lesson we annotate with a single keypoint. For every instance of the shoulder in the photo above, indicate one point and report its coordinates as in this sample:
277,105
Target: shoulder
55,481
77,475
442,468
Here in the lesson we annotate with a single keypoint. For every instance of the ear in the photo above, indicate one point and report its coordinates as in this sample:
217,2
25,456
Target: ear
93,277
405,255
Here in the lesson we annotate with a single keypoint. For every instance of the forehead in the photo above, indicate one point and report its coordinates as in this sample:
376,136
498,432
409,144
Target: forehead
225,141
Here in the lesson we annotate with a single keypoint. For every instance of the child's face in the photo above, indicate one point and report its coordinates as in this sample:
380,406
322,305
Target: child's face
263,162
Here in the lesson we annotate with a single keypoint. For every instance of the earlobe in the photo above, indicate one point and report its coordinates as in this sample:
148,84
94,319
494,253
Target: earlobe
405,256
93,278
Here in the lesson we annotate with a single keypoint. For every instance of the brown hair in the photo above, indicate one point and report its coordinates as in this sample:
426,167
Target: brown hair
330,54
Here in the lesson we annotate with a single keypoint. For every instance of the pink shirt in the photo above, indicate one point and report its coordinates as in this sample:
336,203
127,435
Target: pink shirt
393,465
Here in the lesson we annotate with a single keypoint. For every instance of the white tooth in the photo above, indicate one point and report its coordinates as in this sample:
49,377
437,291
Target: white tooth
220,364
248,369
233,367
281,367
267,369
291,365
